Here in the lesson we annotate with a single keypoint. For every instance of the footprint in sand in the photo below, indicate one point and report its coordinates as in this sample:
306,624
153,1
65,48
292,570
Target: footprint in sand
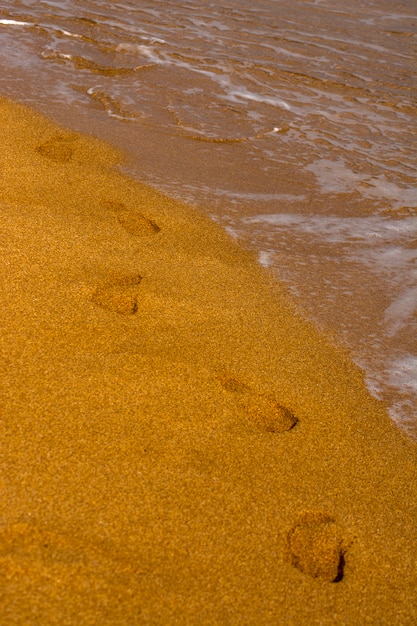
119,296
59,148
261,410
315,546
36,561
131,220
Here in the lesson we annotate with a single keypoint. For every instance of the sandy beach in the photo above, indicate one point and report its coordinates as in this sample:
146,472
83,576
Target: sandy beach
178,446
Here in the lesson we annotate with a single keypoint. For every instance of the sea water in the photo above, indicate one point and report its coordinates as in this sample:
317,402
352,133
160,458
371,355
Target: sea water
293,123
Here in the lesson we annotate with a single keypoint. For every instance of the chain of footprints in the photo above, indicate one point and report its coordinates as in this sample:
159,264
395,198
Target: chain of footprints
314,544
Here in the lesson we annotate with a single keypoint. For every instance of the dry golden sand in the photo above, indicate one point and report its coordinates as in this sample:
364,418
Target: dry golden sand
177,445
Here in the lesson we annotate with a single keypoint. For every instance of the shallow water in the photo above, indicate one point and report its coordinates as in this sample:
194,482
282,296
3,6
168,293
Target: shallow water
292,123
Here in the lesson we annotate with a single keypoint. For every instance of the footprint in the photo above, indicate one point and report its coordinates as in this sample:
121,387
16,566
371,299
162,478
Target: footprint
261,409
112,300
58,149
130,280
268,414
232,384
315,546
35,559
137,224
132,221
118,297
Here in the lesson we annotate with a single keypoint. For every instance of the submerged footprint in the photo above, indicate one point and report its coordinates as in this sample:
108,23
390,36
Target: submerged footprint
118,297
132,221
261,410
315,546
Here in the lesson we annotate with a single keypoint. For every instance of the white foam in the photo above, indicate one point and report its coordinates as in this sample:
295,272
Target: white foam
334,176
142,49
401,310
62,31
241,93
334,229
265,258
57,55
380,187
254,197
5,22
403,373
337,177
68,34
138,47
380,246
399,373
231,92
241,197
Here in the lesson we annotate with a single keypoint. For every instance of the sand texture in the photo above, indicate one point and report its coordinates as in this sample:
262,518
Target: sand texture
177,445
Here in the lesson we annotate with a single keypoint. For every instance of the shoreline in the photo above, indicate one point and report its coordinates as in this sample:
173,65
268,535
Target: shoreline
184,444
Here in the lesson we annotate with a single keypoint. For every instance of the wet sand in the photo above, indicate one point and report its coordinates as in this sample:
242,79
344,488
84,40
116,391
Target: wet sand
178,446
